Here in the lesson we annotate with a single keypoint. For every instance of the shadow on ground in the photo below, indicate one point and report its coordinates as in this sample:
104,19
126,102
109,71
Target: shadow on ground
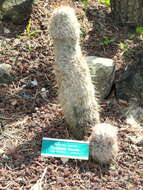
105,35
10,30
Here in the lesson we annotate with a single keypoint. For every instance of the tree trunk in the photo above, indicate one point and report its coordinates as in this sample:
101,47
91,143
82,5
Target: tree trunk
128,12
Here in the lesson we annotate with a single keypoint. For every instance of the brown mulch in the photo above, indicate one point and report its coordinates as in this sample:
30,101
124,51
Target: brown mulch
29,110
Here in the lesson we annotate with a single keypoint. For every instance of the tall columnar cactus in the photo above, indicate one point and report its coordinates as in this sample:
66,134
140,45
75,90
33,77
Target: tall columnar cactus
76,91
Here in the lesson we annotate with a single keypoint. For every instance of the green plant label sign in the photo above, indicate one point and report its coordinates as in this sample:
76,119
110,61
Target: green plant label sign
65,148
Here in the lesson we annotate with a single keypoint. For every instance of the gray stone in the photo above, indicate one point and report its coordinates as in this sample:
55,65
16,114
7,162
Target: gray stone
102,73
139,141
18,11
134,115
5,70
130,85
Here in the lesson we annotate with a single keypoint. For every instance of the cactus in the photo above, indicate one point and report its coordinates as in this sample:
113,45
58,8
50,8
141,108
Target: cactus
103,143
76,91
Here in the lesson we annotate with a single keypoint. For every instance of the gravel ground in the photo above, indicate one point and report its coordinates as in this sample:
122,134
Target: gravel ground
29,109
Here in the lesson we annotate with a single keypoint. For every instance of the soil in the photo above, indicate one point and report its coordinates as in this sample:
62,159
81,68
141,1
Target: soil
29,109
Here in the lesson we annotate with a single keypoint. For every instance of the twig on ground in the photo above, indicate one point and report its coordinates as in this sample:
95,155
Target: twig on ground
38,185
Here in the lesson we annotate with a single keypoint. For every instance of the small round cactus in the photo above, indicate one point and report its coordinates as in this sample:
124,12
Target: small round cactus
103,143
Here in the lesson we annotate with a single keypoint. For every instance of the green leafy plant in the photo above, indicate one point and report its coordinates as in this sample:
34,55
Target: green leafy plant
29,33
131,36
82,31
139,30
85,3
107,2
106,41
125,47
28,29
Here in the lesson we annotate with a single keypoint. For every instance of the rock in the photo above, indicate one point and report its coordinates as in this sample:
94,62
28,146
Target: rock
138,141
5,70
18,11
133,113
130,85
6,30
102,73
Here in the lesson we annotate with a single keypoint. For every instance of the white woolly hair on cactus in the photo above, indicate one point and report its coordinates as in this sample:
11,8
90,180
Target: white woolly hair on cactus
103,143
64,24
76,91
